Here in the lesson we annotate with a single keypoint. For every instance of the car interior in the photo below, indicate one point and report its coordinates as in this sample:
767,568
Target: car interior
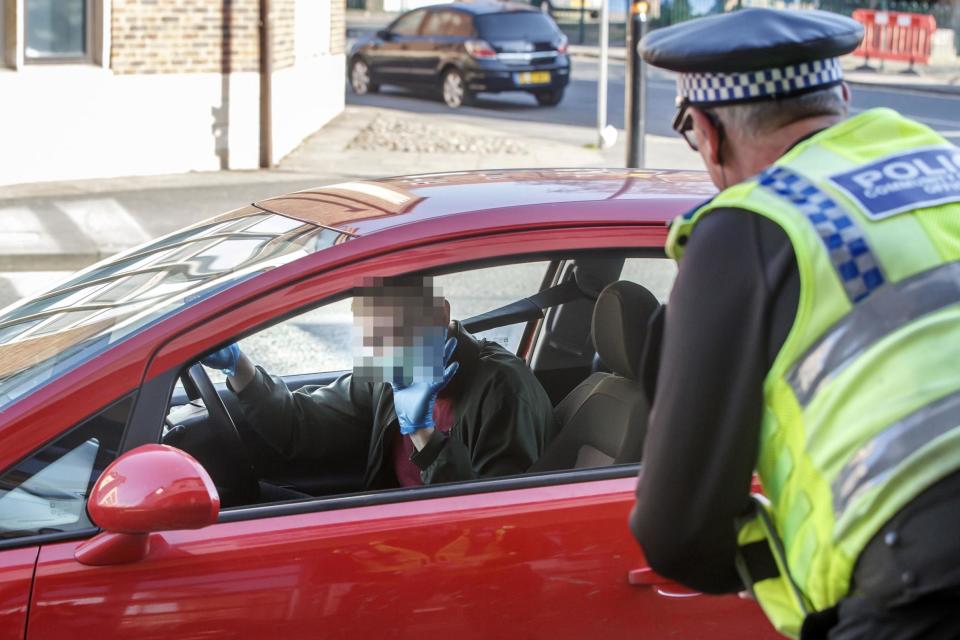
579,321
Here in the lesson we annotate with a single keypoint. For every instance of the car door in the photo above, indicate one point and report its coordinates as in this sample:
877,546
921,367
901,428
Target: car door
548,561
443,34
538,555
16,578
425,51
393,62
42,499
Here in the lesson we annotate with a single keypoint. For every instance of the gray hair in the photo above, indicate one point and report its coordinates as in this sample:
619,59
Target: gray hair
756,119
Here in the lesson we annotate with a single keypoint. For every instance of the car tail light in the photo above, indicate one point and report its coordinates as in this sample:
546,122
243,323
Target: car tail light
562,44
480,49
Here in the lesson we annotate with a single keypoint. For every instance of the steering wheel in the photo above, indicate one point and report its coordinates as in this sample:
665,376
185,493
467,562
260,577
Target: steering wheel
241,477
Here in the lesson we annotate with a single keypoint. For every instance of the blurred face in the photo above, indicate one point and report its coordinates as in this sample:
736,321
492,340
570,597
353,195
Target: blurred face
399,333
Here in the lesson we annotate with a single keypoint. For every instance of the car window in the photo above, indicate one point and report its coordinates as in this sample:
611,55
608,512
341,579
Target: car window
317,444
407,25
458,24
316,341
47,491
433,24
447,24
46,336
477,291
527,26
656,274
321,340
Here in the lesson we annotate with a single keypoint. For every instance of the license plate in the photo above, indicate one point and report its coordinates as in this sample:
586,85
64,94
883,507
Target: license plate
533,77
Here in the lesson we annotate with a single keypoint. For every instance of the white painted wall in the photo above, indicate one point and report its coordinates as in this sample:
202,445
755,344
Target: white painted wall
60,122
67,122
305,97
309,94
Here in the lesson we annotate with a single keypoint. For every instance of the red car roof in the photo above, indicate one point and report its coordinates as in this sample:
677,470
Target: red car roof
538,195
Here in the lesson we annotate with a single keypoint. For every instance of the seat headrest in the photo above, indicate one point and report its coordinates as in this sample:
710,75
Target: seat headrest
620,319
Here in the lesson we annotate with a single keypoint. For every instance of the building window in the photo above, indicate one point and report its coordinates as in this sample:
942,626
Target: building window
57,30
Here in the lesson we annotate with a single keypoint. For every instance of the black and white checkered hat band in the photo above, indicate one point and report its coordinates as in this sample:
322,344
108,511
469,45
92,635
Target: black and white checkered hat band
720,88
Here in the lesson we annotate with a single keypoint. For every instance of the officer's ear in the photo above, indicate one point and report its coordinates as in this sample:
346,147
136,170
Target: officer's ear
845,89
709,136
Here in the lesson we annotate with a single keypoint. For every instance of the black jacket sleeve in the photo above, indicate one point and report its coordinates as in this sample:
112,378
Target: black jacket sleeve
730,310
331,421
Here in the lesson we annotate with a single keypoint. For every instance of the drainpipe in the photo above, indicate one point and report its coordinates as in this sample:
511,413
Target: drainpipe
266,87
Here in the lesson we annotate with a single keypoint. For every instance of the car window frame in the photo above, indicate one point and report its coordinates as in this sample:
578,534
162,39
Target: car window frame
82,532
157,392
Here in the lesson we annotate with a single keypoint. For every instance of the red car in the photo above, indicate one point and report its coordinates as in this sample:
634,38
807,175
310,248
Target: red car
105,533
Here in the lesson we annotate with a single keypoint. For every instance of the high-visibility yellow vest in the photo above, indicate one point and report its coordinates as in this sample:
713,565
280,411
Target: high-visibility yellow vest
862,403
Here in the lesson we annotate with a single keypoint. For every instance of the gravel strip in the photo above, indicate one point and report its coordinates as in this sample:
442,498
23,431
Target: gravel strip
387,133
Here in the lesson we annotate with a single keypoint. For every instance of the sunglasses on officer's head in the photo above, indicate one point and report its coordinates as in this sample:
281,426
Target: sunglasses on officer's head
683,123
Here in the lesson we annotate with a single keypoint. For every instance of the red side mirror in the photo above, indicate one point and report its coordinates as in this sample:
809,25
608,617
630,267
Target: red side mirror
150,489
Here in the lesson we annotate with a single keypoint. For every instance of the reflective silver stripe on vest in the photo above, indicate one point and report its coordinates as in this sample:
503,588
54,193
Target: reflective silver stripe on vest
878,458
888,309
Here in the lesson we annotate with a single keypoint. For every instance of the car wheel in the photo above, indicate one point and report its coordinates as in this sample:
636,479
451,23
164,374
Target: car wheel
549,98
360,80
455,92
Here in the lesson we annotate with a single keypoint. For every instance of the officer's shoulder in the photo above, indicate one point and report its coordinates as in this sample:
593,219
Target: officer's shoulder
731,230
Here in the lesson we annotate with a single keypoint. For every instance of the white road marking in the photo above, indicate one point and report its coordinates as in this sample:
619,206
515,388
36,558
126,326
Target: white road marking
106,222
22,231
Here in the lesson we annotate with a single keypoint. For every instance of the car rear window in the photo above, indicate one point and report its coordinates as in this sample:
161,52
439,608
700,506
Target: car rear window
46,336
529,26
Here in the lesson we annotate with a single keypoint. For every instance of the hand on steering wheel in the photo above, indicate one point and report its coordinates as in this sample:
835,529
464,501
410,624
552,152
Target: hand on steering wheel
242,476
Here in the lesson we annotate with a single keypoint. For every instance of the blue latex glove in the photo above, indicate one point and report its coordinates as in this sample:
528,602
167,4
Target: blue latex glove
225,359
414,404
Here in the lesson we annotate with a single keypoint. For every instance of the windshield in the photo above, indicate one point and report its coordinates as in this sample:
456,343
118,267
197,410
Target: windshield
528,26
48,335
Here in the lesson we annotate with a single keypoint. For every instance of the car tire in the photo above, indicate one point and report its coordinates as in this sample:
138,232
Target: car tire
360,79
549,98
453,87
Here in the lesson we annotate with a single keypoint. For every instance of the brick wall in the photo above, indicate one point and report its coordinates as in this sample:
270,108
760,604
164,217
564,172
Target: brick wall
282,33
196,36
338,26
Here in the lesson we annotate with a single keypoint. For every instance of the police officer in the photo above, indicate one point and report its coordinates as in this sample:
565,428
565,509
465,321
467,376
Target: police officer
813,334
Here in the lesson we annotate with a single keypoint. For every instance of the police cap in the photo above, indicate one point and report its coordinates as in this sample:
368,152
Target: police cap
753,54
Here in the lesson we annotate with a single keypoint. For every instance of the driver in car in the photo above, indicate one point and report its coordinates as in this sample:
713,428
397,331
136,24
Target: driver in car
426,402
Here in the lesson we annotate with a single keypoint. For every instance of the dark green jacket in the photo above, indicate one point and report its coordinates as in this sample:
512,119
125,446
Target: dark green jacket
503,420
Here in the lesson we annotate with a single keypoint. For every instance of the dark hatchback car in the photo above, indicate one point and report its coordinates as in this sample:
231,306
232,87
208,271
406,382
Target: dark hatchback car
464,48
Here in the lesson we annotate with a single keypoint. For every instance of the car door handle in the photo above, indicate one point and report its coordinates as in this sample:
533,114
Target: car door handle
647,577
